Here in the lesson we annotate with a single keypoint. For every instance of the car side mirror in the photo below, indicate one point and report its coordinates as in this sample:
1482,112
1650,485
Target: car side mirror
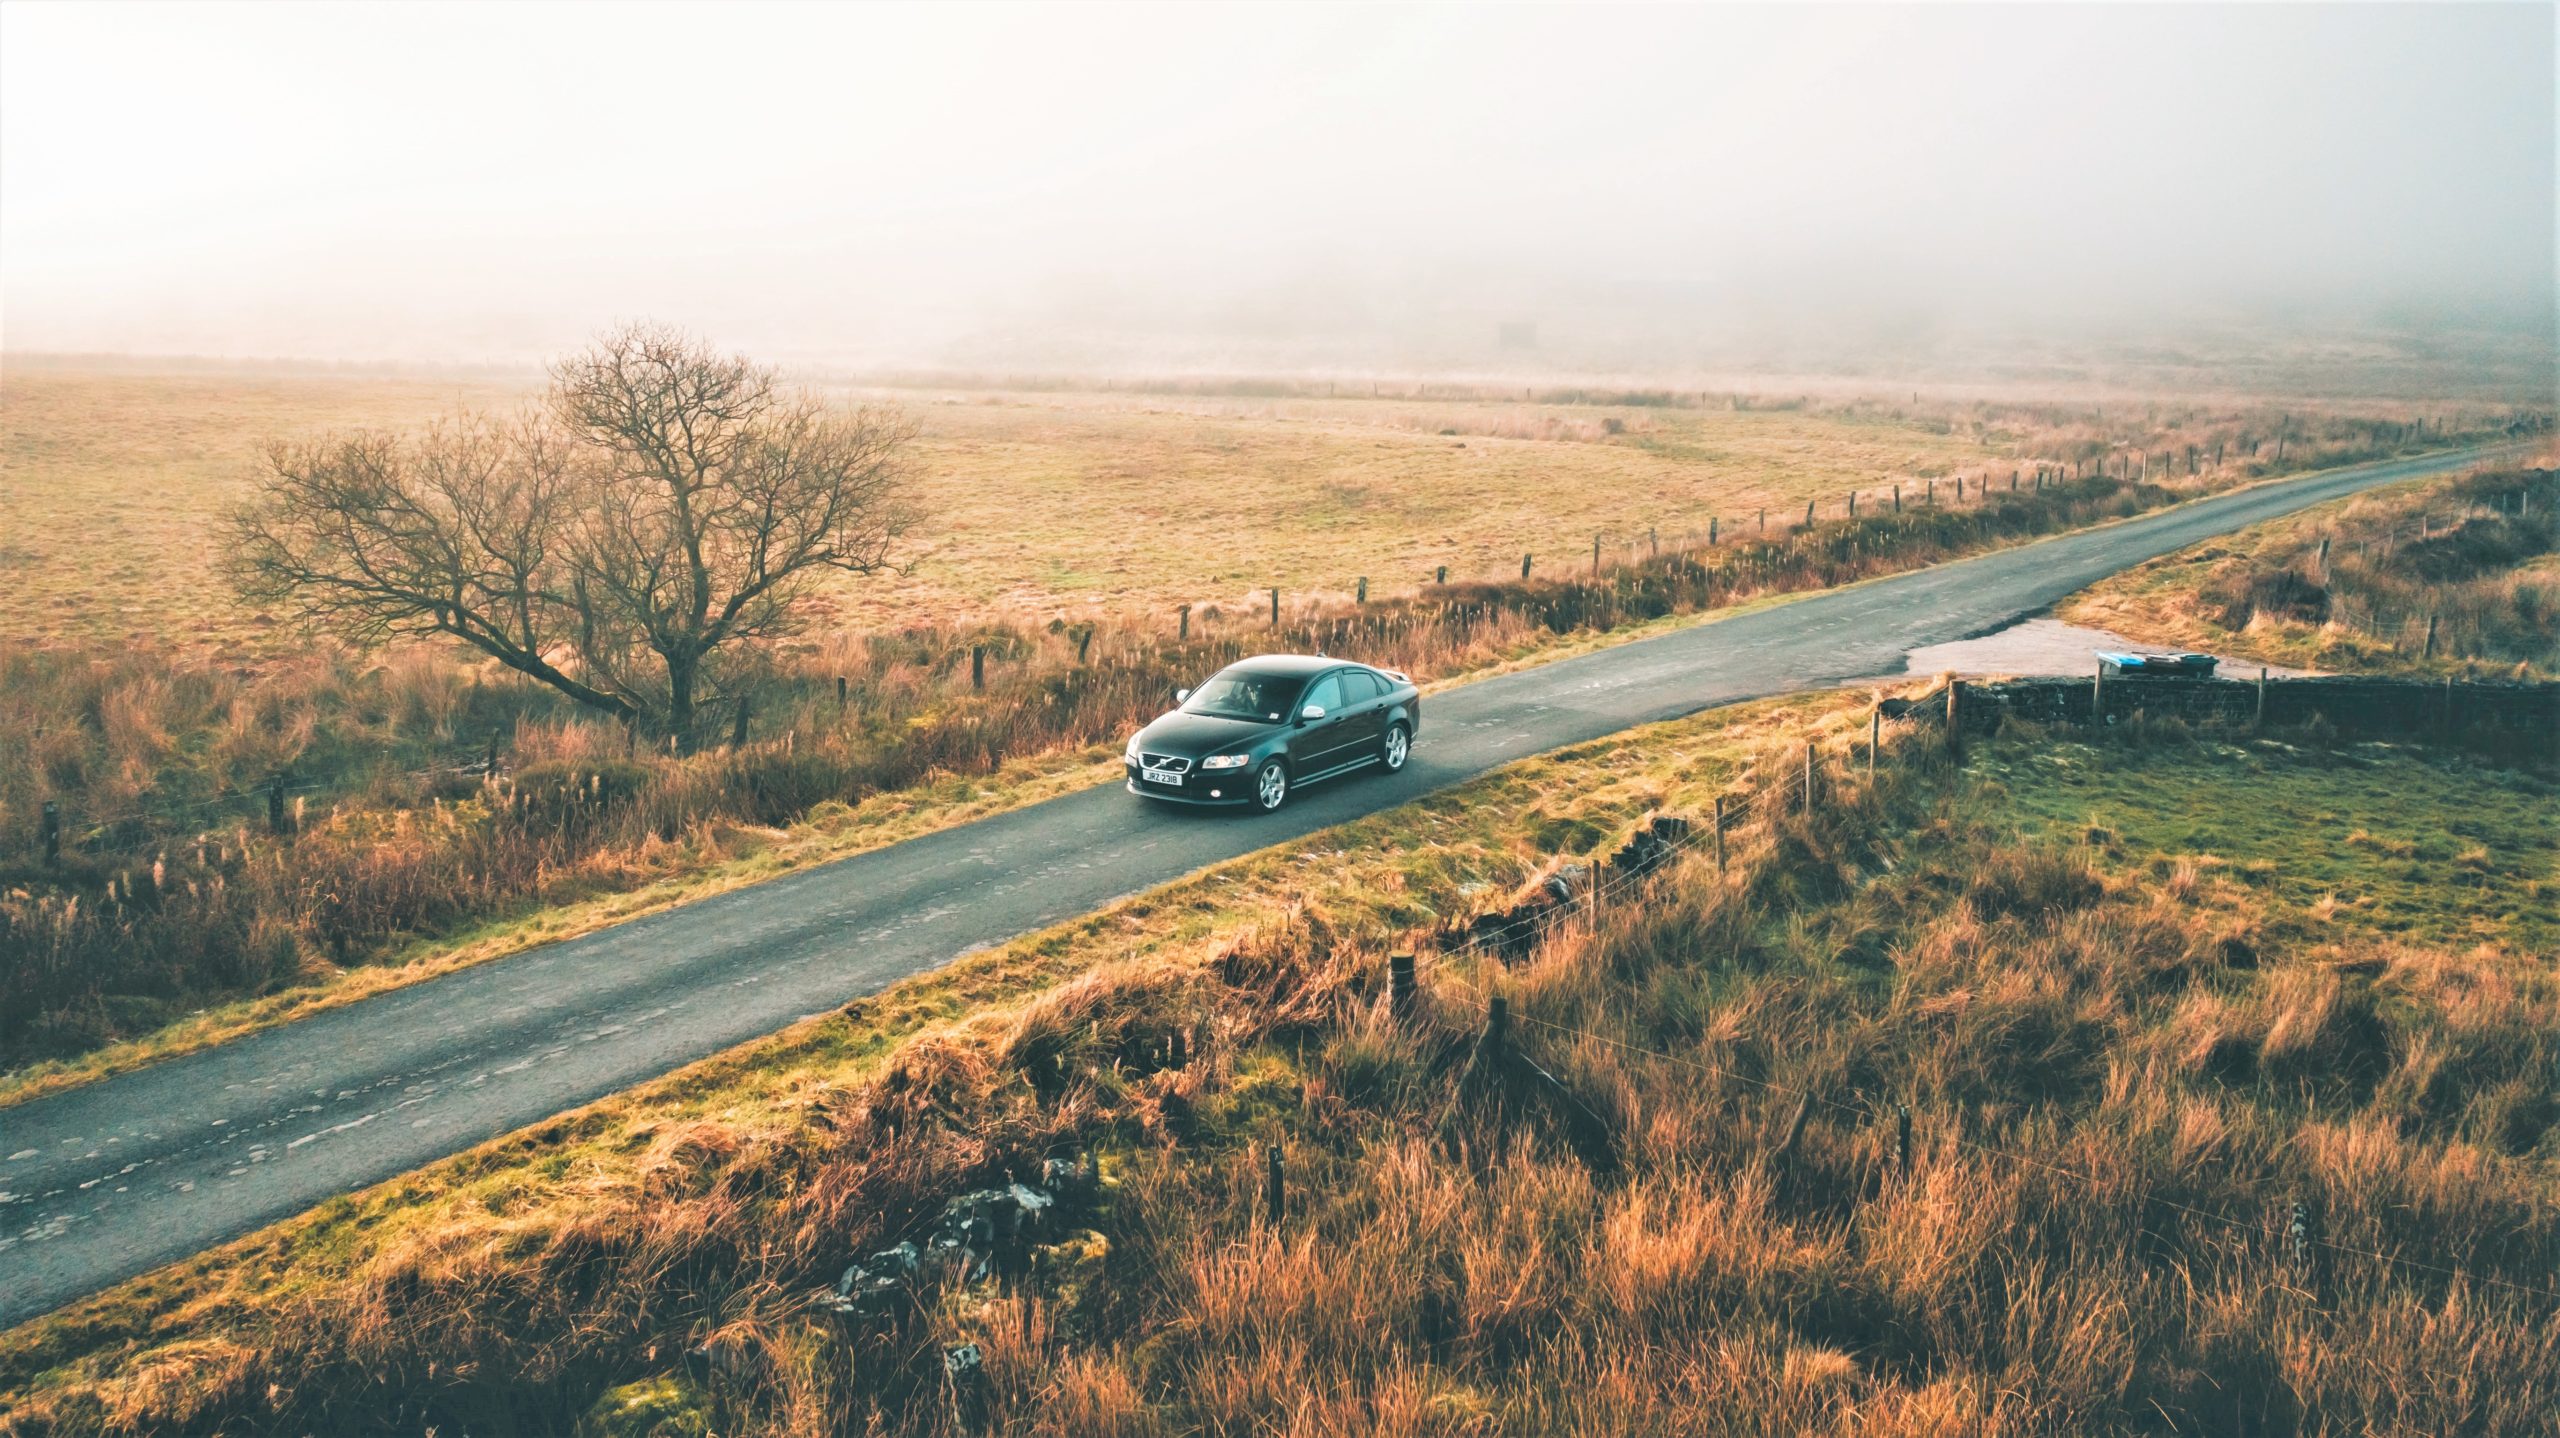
1312,711
1179,695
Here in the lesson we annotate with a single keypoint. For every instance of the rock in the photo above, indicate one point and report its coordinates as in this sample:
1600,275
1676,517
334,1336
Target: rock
877,1285
1072,1180
1565,883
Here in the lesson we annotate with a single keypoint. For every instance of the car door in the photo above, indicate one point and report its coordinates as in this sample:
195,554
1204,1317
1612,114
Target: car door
1318,744
1364,701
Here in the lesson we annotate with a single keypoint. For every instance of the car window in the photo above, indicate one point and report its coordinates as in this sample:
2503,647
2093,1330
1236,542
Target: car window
1359,686
1328,692
1243,694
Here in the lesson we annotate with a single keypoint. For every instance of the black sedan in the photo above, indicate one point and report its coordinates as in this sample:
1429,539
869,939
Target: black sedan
1260,728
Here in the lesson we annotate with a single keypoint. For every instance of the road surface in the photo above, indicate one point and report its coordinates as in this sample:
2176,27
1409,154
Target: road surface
106,1181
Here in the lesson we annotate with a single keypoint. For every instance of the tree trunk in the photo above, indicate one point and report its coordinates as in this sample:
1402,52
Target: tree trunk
680,681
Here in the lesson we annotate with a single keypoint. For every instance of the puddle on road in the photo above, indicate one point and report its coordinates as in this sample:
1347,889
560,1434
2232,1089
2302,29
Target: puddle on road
2047,646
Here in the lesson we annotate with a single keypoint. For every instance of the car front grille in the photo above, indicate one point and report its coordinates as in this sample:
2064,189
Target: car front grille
1170,763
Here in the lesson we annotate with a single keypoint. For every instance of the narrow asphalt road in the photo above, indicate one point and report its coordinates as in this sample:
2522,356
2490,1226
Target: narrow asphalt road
107,1181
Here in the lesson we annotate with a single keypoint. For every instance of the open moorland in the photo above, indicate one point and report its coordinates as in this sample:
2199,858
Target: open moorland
2014,1092
2454,576
1093,504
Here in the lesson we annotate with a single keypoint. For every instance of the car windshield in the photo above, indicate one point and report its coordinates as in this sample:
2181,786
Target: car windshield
1243,694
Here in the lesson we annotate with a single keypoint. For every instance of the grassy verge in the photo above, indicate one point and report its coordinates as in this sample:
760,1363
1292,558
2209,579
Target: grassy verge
2448,576
2128,1044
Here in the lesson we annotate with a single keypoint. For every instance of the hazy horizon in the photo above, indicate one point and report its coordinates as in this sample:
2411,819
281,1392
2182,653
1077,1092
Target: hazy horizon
1267,187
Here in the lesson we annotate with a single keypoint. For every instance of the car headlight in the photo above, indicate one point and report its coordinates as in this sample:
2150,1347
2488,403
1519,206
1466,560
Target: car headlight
1129,751
1224,761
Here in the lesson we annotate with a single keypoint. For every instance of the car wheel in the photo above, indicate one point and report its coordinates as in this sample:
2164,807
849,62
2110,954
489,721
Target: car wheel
1270,785
1397,748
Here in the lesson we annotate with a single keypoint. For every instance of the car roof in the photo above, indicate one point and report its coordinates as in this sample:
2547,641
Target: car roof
1292,665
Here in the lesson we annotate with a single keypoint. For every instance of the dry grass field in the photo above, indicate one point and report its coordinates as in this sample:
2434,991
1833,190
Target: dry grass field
2130,1038
1092,503
1044,503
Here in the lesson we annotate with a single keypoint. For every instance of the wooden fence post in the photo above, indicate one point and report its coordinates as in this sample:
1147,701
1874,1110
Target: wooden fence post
1711,531
2098,695
1875,737
1595,554
1361,596
840,691
738,730
1764,521
275,805
1955,717
1719,833
1853,504
2430,651
2448,708
49,832
977,666
1441,575
1400,987
1186,623
1897,499
1275,1193
1497,1024
1808,512
1524,566
2261,721
2324,559
1275,606
1902,1138
1808,776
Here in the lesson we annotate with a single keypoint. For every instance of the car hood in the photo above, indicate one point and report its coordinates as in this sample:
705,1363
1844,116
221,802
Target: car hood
1196,736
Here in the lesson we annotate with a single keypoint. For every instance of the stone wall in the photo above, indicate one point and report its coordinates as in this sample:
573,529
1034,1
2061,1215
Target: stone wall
2499,715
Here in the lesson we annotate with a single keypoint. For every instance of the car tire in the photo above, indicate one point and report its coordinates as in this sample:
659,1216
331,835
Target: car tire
1396,748
1270,785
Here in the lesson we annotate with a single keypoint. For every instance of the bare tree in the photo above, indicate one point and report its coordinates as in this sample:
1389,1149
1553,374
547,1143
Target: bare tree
662,506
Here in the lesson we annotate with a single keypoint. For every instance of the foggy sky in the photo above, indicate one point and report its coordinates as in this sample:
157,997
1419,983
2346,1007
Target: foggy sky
988,184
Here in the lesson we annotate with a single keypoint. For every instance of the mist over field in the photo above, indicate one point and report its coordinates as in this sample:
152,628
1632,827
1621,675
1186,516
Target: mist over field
1636,189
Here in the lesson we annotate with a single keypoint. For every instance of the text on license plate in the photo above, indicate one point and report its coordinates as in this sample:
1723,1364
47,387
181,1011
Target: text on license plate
1162,776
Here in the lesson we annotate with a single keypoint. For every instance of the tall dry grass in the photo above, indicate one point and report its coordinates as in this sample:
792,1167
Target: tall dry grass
2118,1089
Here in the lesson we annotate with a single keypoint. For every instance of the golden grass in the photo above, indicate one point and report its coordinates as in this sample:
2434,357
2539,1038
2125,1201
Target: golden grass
1096,502
2118,1083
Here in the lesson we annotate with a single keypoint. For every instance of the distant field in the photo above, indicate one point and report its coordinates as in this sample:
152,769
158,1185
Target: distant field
109,483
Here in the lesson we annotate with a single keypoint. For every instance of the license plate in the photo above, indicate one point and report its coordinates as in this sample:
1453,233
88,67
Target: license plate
1161,776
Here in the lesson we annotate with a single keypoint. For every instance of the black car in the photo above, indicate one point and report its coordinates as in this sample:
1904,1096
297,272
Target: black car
1262,727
